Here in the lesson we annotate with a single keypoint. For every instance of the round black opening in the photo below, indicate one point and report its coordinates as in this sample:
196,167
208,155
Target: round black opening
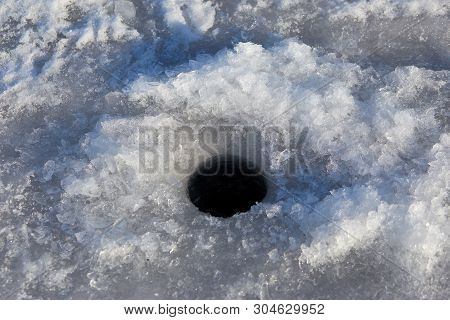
225,185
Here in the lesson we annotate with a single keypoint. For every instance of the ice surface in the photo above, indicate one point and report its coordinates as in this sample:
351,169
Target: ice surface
367,219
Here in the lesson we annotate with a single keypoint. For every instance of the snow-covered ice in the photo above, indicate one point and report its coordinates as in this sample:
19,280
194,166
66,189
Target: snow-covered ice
368,219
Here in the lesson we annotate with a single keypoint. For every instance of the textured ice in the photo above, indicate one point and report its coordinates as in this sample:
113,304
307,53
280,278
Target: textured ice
368,216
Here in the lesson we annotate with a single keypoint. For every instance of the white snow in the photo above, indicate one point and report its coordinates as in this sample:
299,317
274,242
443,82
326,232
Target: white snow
365,217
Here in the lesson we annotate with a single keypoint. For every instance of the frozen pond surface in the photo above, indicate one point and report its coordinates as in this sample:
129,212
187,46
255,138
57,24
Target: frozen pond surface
368,217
